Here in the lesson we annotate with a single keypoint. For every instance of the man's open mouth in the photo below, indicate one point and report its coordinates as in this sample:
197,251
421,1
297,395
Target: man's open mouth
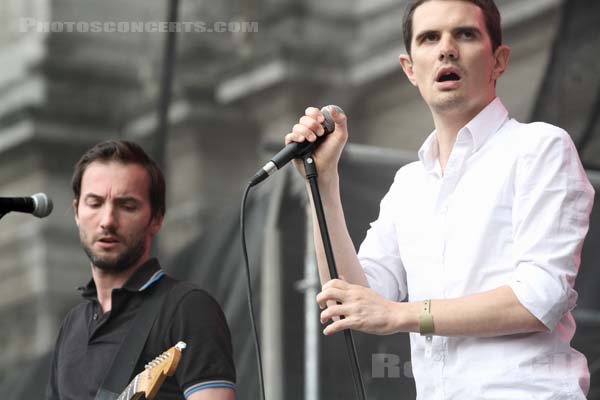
450,76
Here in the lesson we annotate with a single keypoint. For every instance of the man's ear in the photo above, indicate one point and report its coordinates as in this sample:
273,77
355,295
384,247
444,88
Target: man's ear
156,224
501,60
75,211
407,67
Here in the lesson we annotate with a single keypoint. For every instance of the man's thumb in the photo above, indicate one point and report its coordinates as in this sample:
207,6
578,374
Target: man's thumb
338,116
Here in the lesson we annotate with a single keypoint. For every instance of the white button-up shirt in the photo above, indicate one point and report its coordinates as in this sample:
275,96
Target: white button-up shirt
512,208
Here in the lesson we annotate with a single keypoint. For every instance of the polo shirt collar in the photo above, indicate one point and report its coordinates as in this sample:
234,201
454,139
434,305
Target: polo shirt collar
480,128
144,277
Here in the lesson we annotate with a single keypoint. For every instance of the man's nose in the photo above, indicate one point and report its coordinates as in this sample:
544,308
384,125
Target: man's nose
108,221
448,49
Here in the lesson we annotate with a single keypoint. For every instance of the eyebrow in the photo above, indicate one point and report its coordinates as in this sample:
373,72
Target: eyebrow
120,200
92,196
423,34
465,28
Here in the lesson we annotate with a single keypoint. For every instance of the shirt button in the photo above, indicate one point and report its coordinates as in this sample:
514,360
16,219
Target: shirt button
95,316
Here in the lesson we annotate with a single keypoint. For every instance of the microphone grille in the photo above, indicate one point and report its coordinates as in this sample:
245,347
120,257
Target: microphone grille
43,205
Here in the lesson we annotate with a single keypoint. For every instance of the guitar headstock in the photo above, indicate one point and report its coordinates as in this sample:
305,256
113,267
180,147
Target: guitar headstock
150,380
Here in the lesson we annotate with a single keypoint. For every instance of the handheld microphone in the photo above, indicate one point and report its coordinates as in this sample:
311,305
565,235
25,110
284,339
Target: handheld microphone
295,149
39,205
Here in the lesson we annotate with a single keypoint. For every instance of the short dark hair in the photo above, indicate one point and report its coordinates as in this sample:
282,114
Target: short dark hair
490,12
125,152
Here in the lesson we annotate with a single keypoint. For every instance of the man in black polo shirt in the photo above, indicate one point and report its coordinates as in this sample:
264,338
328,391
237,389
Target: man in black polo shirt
119,204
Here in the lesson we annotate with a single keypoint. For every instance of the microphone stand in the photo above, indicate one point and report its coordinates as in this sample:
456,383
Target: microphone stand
311,175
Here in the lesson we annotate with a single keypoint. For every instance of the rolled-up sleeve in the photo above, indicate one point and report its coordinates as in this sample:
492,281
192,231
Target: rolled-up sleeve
379,254
552,204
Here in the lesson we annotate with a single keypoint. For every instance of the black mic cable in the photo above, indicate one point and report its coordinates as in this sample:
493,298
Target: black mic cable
261,383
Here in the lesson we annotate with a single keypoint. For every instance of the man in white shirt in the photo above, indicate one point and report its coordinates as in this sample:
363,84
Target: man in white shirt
482,235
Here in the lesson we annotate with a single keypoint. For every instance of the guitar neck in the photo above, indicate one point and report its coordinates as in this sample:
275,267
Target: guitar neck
148,382
131,392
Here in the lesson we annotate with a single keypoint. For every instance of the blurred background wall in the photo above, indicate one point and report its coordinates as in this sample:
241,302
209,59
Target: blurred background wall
235,90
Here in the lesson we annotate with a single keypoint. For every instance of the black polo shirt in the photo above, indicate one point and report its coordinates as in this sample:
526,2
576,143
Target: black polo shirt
89,339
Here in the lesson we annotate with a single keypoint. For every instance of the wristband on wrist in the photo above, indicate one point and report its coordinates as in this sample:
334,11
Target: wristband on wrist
426,327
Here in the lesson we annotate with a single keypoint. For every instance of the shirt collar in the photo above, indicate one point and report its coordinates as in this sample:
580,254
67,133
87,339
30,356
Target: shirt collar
480,128
144,277
429,152
487,122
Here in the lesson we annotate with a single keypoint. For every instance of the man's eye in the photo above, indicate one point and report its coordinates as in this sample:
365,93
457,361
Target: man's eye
94,204
467,34
430,37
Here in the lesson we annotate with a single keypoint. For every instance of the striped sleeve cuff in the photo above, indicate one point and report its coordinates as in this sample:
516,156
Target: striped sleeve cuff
208,385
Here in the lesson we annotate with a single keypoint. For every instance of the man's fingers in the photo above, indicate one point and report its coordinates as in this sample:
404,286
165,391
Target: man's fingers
337,310
338,117
336,283
315,113
330,294
340,120
292,137
334,290
312,125
302,130
338,326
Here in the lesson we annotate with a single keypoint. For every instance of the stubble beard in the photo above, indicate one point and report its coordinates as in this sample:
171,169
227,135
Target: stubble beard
122,262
